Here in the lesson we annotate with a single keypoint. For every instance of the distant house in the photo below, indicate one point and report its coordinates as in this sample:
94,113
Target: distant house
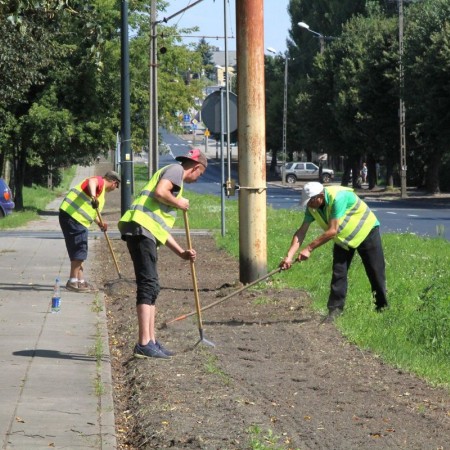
218,59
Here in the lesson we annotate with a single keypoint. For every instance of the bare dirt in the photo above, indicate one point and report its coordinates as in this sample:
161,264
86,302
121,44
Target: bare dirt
275,376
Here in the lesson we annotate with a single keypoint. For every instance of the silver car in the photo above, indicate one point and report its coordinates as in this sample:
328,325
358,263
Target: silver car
294,171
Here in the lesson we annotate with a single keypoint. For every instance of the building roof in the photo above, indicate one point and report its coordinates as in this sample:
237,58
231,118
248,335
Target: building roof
218,58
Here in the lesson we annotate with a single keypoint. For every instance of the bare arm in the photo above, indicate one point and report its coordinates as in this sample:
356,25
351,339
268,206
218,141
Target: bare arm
175,247
296,242
92,189
163,193
322,239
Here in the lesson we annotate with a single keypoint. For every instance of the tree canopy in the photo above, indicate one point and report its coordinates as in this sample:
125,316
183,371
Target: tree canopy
347,91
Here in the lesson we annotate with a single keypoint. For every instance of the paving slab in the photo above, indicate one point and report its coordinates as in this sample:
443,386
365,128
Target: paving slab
56,384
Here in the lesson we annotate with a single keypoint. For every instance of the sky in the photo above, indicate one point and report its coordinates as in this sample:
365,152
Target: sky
209,16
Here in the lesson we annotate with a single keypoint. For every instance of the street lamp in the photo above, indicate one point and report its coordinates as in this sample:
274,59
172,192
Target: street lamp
321,37
402,105
286,59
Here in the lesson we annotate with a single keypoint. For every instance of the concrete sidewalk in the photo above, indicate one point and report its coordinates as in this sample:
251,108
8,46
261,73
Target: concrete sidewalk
56,389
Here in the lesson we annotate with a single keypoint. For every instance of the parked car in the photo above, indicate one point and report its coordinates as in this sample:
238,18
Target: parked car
294,171
6,203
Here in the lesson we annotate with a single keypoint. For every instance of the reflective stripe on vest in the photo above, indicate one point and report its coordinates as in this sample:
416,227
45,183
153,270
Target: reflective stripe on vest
156,217
356,224
78,205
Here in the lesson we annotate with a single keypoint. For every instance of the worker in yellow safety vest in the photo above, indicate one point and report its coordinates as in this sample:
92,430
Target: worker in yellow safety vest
145,226
77,212
349,222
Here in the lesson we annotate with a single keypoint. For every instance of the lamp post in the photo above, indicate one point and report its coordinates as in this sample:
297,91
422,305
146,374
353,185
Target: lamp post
125,127
322,38
283,146
402,104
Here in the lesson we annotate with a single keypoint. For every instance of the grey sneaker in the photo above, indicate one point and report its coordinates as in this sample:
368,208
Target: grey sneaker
150,350
74,286
164,349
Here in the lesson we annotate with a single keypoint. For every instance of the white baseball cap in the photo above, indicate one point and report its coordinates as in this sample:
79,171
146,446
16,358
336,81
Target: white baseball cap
310,190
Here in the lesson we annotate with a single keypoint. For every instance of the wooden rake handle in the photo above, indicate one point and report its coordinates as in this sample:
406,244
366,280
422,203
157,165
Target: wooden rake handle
193,273
109,243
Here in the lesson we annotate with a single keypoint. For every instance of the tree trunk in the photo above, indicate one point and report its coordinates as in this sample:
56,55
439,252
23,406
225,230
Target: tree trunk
372,172
389,174
432,173
273,163
19,163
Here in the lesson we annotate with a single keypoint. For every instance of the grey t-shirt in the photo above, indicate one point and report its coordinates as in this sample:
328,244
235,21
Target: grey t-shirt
173,173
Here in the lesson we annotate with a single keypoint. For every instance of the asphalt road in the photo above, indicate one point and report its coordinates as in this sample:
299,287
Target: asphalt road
422,216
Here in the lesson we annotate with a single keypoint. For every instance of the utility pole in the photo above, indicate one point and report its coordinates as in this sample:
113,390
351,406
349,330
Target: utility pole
402,118
125,129
286,62
252,145
153,152
227,90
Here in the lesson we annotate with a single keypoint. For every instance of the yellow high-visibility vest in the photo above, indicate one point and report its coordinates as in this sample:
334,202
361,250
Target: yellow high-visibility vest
154,216
78,205
354,226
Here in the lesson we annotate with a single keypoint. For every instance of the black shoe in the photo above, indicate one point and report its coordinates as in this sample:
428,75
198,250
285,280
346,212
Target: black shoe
164,349
332,314
150,350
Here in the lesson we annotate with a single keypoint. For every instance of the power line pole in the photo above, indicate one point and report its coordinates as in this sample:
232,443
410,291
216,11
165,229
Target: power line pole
125,128
252,144
286,62
402,118
153,152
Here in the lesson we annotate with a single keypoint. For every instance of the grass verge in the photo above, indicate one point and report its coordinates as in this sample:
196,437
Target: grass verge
413,334
35,199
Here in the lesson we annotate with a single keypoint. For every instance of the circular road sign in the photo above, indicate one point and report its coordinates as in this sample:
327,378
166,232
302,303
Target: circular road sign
213,116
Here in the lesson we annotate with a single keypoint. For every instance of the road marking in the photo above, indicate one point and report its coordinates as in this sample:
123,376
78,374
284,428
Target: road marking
413,215
391,212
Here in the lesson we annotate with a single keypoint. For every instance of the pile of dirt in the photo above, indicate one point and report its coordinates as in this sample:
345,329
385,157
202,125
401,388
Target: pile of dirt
275,374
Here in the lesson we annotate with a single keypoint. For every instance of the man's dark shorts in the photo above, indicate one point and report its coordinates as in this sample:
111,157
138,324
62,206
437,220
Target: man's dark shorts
144,255
75,235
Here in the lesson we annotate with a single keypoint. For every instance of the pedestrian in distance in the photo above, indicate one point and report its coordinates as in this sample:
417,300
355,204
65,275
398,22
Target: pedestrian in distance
364,173
77,212
146,226
349,222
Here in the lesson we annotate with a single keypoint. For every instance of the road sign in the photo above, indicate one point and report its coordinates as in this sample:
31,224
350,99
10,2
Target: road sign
212,116
207,133
186,118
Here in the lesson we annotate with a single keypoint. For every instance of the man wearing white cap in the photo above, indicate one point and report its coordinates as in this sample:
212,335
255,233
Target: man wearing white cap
350,223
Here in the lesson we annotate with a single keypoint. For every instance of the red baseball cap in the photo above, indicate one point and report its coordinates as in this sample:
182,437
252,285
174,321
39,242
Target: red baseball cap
194,154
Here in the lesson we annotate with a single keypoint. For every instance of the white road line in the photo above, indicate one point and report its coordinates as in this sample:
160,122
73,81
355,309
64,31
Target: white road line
391,212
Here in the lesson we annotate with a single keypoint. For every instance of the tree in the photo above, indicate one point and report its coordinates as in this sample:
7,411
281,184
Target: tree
206,52
274,69
427,87
61,113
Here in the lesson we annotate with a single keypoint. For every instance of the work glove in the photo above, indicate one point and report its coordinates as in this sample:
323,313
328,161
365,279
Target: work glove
104,227
94,203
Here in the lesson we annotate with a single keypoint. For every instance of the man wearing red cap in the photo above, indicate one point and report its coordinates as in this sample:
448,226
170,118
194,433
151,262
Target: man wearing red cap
78,210
144,227
349,222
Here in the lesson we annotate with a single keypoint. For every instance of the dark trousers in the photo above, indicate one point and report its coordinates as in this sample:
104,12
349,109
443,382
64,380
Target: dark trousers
144,255
371,252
